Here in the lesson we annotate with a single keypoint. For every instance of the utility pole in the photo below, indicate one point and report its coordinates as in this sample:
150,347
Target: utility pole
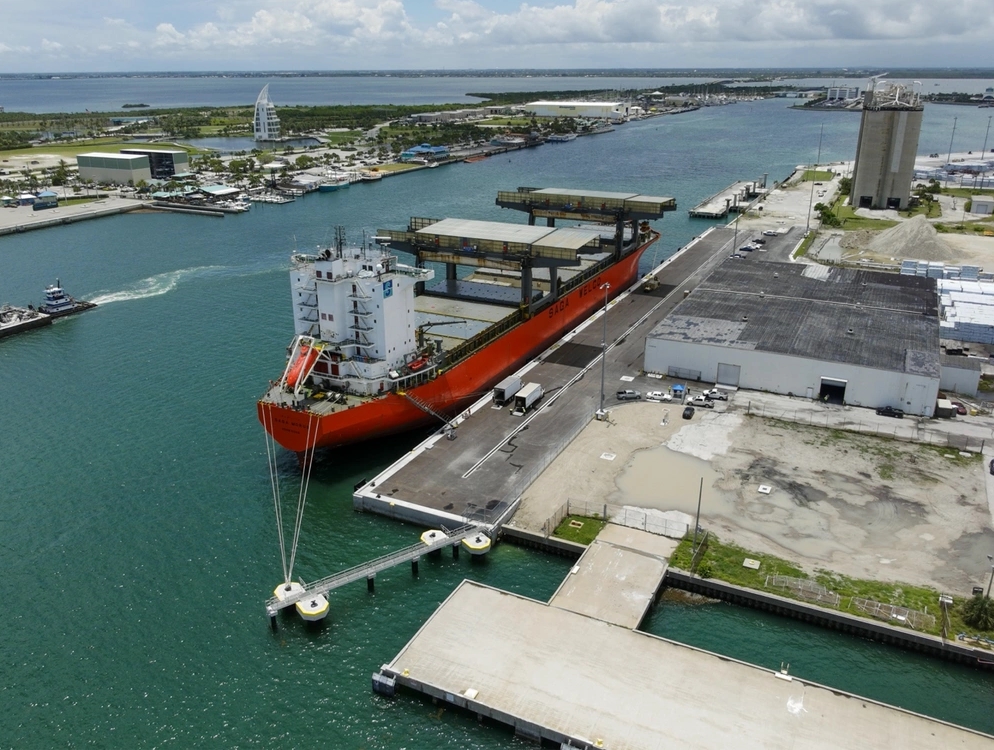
811,200
600,412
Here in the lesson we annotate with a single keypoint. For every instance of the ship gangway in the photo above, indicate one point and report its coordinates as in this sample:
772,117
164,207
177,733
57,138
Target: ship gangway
368,570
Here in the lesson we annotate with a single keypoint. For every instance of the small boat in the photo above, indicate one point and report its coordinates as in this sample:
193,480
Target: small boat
59,304
561,138
477,545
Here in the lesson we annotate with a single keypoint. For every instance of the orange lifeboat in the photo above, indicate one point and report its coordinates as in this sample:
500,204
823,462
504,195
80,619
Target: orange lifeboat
302,365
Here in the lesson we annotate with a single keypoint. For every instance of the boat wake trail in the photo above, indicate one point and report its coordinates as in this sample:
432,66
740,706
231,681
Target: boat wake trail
153,286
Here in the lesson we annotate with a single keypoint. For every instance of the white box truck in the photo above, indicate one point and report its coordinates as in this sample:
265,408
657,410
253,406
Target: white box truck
526,398
505,390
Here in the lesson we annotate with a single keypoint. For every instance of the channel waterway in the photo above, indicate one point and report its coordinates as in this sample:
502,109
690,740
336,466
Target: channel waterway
138,526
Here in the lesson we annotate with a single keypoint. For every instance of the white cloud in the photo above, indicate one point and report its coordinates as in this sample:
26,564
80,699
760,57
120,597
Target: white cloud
471,33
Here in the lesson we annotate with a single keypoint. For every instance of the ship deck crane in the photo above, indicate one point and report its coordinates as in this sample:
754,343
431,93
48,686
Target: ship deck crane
420,330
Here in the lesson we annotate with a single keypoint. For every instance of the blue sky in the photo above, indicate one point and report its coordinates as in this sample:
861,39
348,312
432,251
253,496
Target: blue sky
115,35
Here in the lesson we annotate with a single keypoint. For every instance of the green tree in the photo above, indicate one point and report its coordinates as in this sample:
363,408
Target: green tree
978,613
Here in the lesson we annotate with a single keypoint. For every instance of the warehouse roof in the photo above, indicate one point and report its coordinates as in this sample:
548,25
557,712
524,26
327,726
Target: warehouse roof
873,319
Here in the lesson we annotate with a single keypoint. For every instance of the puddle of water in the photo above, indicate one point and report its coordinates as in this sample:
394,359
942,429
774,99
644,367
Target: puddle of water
666,479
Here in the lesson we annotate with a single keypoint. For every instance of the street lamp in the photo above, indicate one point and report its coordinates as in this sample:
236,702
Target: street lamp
990,559
811,199
600,412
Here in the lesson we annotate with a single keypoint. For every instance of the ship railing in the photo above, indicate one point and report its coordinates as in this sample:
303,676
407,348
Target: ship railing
477,342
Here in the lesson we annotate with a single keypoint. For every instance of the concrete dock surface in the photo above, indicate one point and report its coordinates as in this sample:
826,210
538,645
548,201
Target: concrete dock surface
617,578
558,676
477,476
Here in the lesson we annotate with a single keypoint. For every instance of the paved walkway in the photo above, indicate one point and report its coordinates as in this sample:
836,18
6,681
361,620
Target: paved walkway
617,578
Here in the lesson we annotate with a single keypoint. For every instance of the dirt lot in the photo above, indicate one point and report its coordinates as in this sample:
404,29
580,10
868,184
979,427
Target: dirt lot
857,505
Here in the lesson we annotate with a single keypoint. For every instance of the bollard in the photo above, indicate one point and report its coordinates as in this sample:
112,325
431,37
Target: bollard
370,583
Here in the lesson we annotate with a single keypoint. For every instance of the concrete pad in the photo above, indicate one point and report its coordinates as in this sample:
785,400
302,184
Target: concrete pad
558,675
618,576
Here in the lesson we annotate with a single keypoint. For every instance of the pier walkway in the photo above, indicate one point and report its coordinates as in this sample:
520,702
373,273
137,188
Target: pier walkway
369,569
558,676
737,197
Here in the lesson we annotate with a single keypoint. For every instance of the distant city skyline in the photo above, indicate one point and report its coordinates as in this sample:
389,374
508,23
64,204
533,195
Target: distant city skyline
119,35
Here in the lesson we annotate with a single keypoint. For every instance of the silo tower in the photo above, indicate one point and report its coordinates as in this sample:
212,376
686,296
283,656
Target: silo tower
888,143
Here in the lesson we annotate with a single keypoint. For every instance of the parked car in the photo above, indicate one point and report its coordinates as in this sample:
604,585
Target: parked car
758,241
890,411
658,396
747,248
715,395
770,233
736,255
688,413
704,403
629,395
960,407
992,466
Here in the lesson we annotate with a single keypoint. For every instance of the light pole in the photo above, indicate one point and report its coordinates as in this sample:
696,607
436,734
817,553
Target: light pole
991,560
984,151
949,158
811,200
600,412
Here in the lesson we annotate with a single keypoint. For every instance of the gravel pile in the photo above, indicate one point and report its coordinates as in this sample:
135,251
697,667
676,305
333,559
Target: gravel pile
914,238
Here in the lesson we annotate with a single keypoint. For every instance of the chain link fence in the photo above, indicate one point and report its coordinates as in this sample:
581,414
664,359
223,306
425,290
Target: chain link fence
913,429
623,515
804,589
911,618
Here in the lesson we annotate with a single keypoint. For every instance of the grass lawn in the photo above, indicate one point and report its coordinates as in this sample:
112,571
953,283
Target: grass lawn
806,245
851,221
817,175
723,562
396,167
579,529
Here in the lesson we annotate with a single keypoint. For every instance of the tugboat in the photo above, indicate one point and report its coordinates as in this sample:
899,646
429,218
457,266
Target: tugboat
58,304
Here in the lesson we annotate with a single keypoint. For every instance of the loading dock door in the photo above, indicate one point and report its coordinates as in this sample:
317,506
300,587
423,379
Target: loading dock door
833,391
728,374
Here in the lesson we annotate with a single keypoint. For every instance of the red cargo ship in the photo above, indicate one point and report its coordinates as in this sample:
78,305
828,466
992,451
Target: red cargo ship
361,365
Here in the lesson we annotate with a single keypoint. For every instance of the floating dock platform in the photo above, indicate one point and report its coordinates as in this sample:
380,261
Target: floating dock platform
558,676
736,198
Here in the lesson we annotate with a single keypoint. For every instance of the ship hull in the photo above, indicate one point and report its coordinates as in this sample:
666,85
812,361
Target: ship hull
456,388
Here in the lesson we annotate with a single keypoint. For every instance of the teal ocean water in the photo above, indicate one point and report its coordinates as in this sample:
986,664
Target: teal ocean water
138,532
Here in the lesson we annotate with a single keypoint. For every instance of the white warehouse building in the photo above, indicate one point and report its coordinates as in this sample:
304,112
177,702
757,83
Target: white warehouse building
116,169
858,337
614,111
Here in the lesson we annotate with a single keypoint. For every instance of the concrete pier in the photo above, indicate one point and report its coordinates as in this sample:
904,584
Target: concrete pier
473,479
559,676
736,198
617,578
23,218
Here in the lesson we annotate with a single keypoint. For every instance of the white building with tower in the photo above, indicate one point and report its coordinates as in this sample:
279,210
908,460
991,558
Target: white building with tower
266,124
